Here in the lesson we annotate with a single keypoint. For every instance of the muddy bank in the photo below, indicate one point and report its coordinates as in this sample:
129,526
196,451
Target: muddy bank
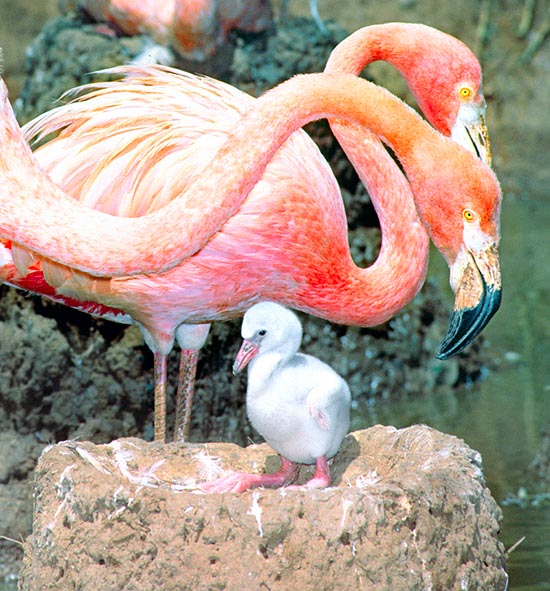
124,515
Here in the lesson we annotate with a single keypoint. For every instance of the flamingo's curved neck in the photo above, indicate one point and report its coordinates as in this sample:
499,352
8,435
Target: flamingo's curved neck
367,297
91,241
371,296
367,45
400,269
433,63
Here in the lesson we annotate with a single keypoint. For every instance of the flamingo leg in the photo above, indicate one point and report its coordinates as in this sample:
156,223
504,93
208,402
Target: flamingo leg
160,373
241,481
321,477
184,396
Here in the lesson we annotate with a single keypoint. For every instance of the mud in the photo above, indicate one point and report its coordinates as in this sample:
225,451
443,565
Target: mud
126,516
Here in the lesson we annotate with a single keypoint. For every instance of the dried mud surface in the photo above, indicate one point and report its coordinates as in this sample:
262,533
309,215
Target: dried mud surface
409,510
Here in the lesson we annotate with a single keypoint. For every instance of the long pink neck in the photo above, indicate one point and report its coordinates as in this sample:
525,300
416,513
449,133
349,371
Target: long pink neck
369,44
35,212
422,55
348,294
401,267
432,63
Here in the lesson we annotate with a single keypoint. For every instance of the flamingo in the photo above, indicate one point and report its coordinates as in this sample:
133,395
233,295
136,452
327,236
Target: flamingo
191,224
299,404
194,28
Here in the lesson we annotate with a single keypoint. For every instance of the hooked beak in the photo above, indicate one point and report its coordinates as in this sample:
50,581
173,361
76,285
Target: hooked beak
470,131
477,284
246,353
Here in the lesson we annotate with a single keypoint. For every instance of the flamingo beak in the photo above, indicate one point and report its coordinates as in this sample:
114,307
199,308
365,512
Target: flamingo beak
246,353
477,284
470,131
479,137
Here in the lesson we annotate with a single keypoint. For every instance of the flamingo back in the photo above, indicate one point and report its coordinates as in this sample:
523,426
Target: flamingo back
129,148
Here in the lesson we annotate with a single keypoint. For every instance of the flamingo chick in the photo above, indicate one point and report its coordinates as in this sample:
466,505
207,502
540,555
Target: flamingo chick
297,403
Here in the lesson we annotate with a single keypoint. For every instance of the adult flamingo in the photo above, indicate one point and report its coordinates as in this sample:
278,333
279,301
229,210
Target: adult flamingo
291,251
194,28
418,51
445,79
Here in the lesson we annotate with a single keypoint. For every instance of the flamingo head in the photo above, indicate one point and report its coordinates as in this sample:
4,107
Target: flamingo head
442,73
445,78
461,211
268,328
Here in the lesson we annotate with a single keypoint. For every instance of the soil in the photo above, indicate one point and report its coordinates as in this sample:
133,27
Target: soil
64,375
126,516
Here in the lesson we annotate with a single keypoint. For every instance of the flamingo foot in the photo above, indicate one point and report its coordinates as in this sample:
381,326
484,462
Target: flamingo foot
234,482
240,481
321,478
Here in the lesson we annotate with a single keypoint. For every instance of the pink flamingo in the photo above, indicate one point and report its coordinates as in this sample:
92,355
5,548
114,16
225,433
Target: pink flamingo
190,234
194,28
444,77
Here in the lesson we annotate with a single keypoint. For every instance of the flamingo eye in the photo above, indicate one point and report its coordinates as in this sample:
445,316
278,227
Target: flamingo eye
262,332
465,92
468,215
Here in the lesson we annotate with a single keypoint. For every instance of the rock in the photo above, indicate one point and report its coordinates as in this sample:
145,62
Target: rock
409,510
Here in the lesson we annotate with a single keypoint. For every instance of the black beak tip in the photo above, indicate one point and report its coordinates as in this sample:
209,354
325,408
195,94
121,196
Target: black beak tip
466,324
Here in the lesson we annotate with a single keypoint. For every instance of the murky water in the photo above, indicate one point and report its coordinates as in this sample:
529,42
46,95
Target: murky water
502,417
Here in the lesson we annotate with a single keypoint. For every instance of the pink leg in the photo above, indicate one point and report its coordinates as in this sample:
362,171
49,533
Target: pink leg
160,368
184,396
321,478
241,481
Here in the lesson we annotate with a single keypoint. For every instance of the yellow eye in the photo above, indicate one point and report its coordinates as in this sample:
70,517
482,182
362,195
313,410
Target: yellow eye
465,92
468,215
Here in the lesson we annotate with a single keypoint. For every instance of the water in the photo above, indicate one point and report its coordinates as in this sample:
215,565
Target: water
530,564
502,417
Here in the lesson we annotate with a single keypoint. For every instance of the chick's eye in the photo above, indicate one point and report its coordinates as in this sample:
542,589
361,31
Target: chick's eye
465,92
468,215
262,332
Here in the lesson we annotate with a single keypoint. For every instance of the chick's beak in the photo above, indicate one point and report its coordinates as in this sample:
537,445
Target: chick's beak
247,351
477,285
